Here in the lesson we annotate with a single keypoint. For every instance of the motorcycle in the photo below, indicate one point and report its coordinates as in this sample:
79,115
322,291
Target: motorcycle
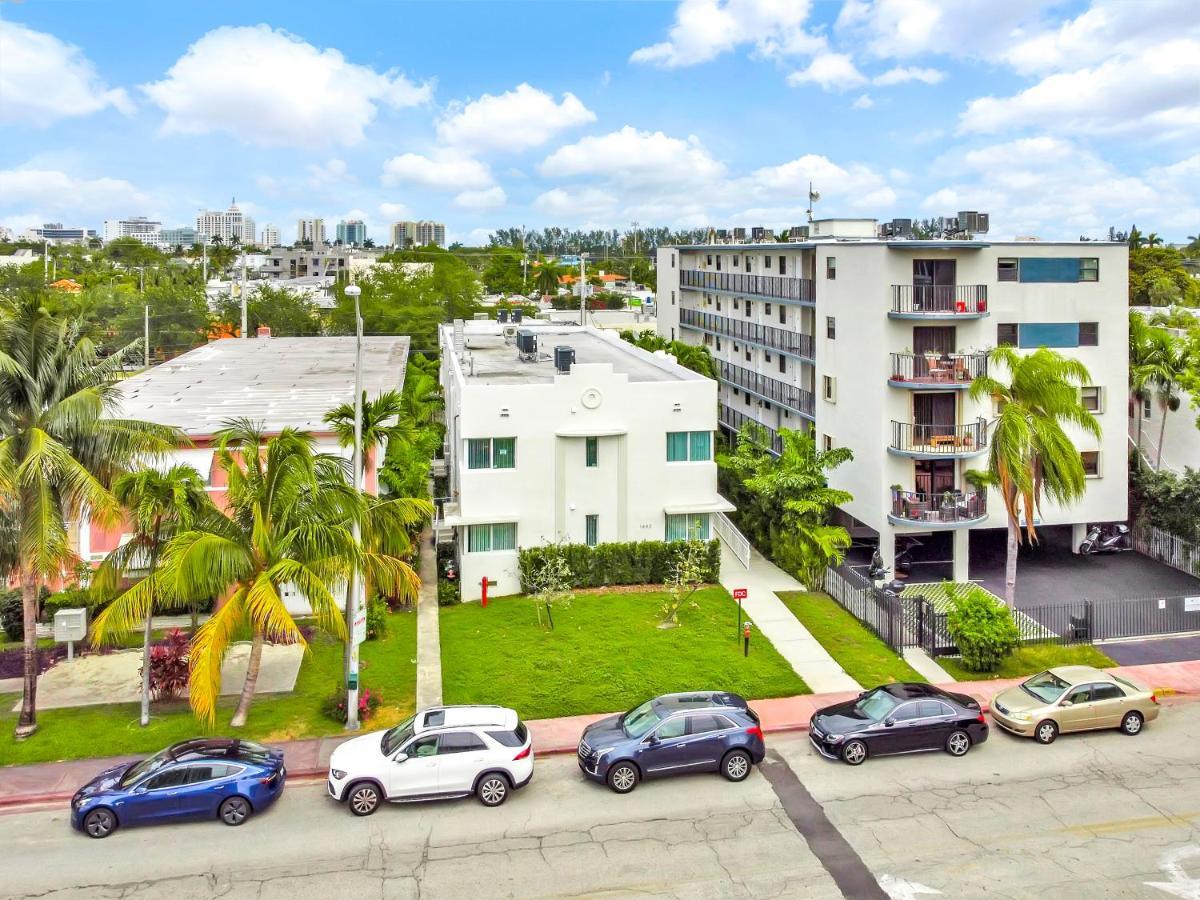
904,558
1110,539
878,572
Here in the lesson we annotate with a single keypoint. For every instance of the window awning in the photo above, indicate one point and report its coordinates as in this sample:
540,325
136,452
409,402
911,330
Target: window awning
708,506
590,431
489,518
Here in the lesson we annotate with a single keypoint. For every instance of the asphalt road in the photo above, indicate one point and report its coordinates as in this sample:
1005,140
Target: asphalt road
1093,816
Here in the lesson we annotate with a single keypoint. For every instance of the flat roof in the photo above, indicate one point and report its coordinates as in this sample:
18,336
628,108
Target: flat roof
489,359
279,382
893,244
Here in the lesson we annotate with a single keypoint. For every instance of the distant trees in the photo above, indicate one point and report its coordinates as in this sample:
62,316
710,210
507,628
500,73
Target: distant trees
286,312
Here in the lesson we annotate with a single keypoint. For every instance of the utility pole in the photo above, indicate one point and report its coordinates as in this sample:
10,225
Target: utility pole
353,604
524,261
635,238
204,252
242,292
146,332
46,261
583,286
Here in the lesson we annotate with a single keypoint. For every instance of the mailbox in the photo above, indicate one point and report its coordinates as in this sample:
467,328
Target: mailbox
70,625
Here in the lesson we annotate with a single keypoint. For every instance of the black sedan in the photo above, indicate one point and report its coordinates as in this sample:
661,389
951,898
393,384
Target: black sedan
898,718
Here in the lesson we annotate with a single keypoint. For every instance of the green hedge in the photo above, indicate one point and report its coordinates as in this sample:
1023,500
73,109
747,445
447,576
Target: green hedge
638,562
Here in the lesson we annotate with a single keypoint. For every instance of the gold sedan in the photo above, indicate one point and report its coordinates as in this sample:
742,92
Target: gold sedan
1073,698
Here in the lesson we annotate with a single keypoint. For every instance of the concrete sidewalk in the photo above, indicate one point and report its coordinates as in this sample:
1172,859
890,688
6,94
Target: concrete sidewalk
56,782
803,652
429,640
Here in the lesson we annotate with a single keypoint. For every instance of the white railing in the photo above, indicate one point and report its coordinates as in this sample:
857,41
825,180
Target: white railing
734,539
1167,548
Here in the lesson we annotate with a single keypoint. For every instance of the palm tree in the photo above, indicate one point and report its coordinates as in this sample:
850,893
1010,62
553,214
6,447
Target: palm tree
1153,240
1141,349
1030,453
548,278
289,513
1169,361
158,504
61,448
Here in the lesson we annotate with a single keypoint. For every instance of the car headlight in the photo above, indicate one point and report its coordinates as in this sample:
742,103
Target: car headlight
604,750
835,738
1022,717
337,774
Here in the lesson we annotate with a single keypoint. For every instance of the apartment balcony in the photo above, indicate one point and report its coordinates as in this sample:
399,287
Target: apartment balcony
768,337
939,301
772,389
949,509
737,421
769,287
921,441
933,371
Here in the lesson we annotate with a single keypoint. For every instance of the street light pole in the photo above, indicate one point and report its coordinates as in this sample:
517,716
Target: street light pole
353,603
146,335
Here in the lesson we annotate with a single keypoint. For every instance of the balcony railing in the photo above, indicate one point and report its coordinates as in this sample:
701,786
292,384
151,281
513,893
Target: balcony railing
777,287
752,333
939,440
737,421
938,369
939,299
948,507
772,389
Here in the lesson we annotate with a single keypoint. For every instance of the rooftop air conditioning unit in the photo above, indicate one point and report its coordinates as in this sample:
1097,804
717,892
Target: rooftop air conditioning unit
527,344
564,355
798,233
739,235
902,228
973,222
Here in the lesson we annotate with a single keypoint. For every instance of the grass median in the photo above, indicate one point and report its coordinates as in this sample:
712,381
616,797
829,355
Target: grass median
1031,659
606,653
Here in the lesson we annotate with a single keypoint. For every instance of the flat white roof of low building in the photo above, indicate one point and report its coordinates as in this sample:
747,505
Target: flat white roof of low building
488,358
278,382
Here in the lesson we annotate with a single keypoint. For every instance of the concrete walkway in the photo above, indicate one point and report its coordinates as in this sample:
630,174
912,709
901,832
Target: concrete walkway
806,656
429,642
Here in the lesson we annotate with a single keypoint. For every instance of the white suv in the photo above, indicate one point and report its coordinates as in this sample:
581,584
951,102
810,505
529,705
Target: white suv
443,752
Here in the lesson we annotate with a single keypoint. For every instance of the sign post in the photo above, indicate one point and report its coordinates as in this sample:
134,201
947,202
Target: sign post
739,594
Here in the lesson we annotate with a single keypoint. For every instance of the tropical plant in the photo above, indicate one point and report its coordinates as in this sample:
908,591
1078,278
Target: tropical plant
157,505
1141,349
62,444
549,583
687,576
290,516
691,356
165,669
1030,453
1169,362
548,278
982,629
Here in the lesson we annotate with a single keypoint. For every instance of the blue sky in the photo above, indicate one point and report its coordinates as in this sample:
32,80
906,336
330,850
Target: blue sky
1058,118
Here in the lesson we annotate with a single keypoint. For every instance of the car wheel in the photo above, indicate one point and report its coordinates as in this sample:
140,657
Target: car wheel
492,790
854,753
234,811
1132,723
363,798
958,743
623,777
736,765
100,823
1046,732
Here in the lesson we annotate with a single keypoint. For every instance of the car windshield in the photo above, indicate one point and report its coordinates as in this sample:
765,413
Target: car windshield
145,767
641,719
395,737
876,705
1046,687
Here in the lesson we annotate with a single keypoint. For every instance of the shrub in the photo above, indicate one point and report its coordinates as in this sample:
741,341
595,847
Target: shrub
335,705
448,594
635,562
12,616
377,623
982,628
70,598
169,666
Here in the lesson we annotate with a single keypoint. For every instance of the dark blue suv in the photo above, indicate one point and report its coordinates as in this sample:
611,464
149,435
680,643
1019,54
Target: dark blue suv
700,731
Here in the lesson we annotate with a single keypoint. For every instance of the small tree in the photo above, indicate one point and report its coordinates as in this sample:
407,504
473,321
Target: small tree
687,577
550,582
982,628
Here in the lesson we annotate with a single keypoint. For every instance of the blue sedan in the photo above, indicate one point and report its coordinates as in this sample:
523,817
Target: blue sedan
199,779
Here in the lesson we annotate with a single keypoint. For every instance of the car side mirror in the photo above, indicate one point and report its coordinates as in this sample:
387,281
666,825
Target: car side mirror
1066,703
140,789
652,740
889,722
400,757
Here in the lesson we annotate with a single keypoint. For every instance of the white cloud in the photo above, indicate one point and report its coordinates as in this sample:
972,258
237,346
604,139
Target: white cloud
394,211
237,80
832,71
864,101
30,196
516,120
704,29
907,28
853,186
563,204
635,157
43,79
1154,94
331,173
488,198
447,172
902,74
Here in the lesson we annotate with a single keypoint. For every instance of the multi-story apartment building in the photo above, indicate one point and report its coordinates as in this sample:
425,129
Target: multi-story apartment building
55,233
568,434
403,234
312,230
418,234
872,344
352,233
296,262
269,237
145,230
227,225
184,236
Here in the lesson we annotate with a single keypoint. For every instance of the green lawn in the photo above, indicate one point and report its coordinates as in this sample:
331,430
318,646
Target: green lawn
605,653
387,666
866,658
1031,659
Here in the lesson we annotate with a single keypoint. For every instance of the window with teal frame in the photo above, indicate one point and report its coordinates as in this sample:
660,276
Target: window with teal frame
700,446
491,453
687,527
591,452
677,446
487,538
479,453
504,453
689,446
591,527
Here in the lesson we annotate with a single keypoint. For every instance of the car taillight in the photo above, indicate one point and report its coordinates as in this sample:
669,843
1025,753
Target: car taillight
1154,699
981,718
755,731
524,753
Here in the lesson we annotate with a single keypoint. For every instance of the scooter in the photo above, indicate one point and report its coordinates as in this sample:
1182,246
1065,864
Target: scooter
904,557
878,572
1112,539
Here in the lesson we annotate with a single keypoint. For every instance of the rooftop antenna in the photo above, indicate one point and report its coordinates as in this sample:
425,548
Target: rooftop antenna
813,197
